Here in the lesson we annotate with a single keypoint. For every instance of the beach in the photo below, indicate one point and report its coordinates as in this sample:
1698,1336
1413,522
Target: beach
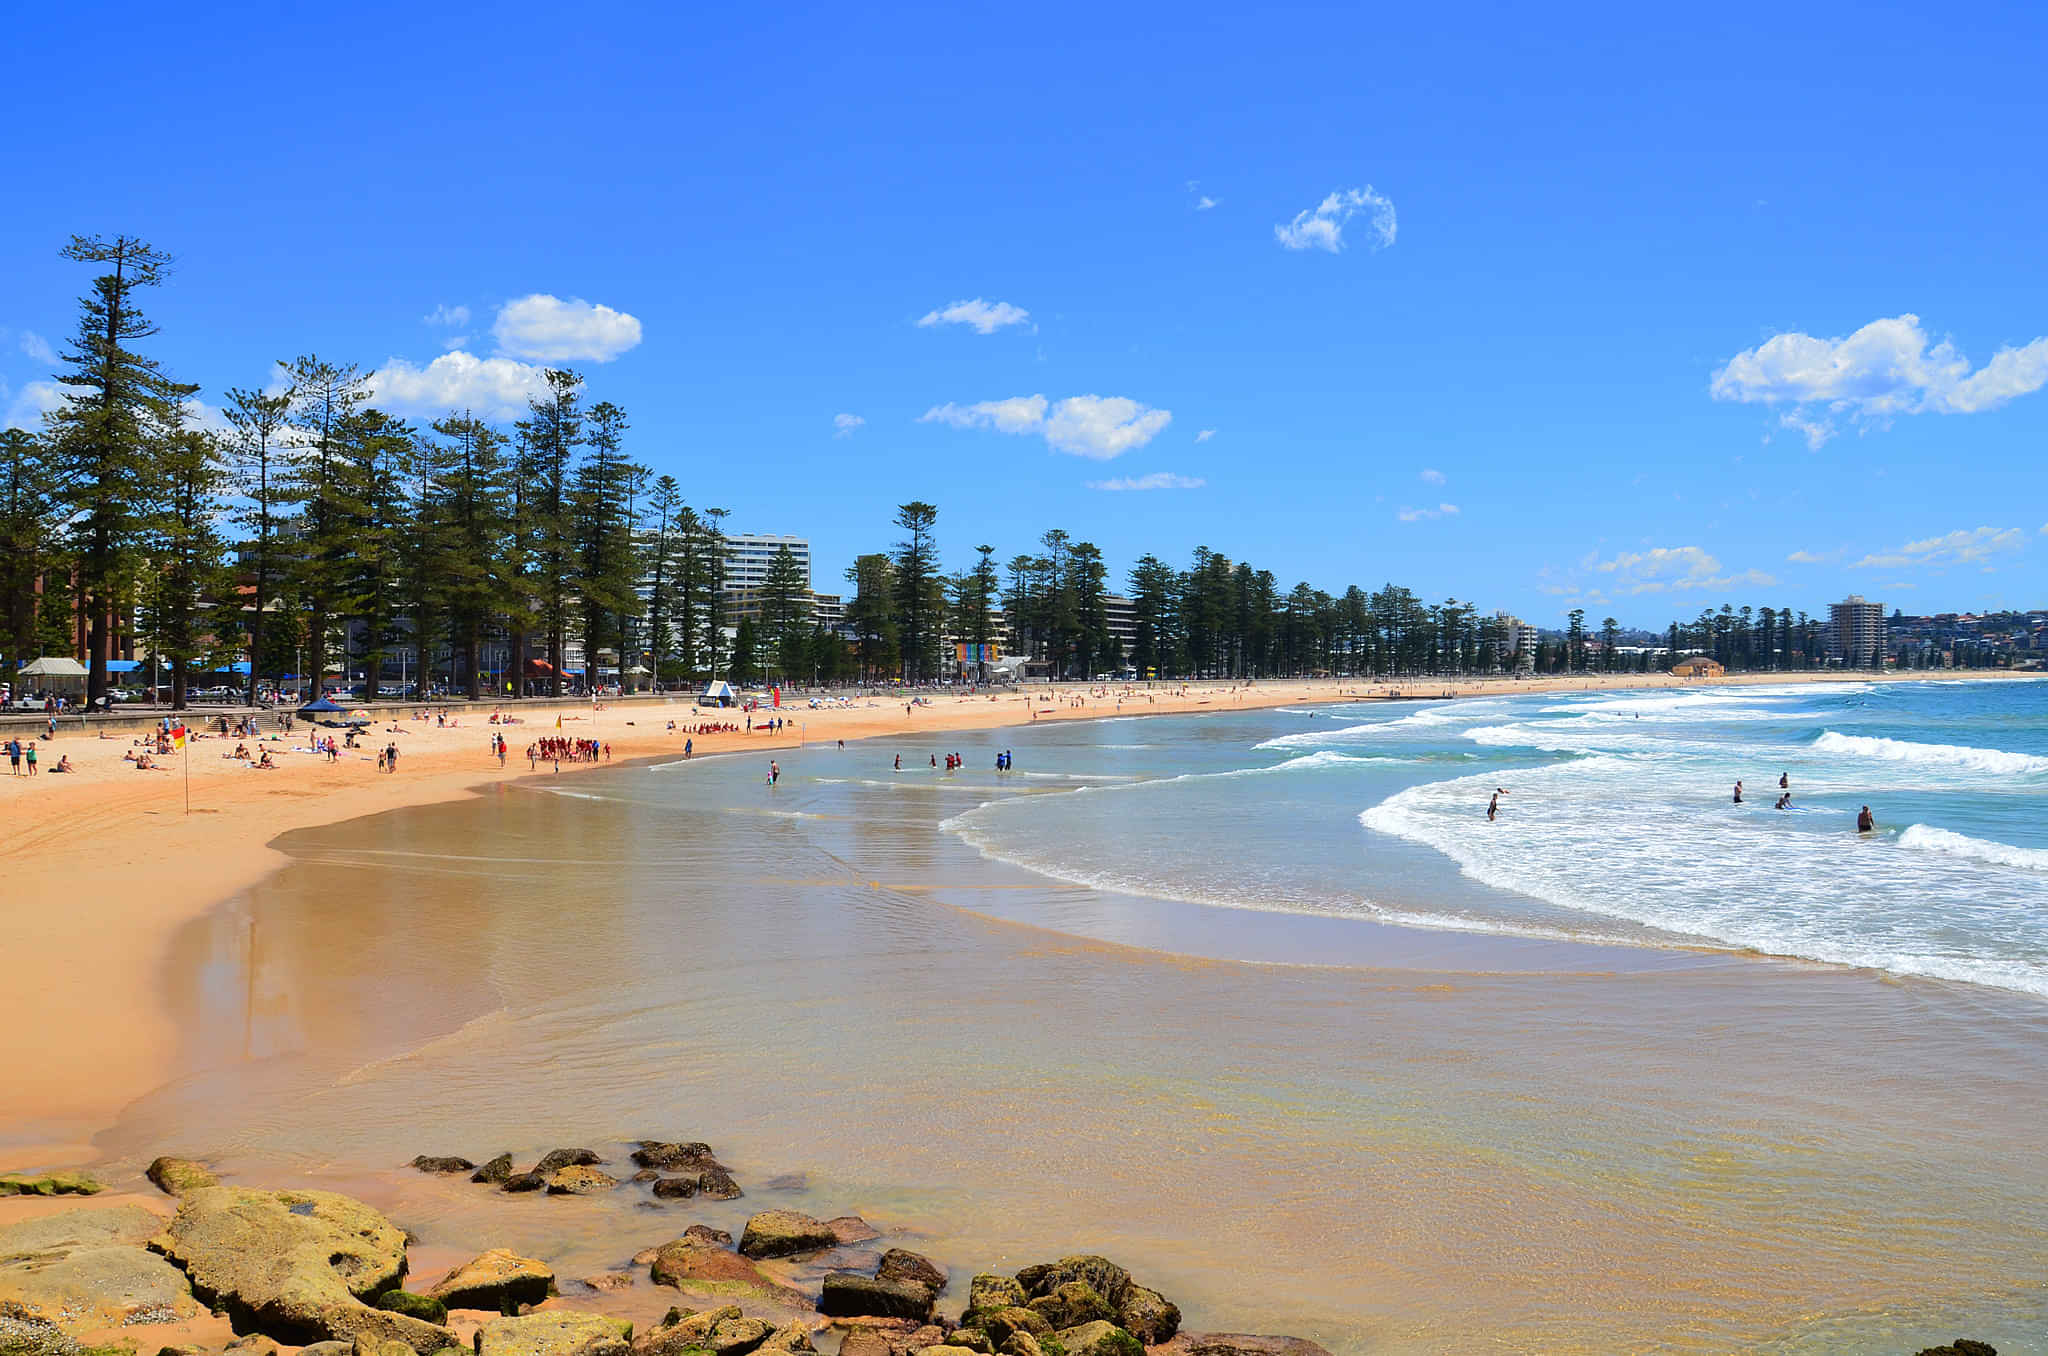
322,970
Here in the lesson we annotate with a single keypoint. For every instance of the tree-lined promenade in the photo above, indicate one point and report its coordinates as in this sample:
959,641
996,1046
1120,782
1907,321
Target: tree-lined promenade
316,534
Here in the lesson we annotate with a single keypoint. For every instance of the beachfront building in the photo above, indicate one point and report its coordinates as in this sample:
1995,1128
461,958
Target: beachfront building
1517,643
1697,666
749,554
1120,615
1856,633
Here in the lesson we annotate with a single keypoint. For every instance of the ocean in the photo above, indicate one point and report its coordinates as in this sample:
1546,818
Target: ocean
1256,1002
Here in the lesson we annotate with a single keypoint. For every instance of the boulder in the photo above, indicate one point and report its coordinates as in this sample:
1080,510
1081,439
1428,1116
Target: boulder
704,1233
865,1342
1019,1343
782,1233
646,1175
1099,1338
1962,1346
974,1339
322,1349
497,1280
525,1181
50,1184
33,1337
691,1263
738,1336
682,1331
848,1294
1072,1304
578,1180
1147,1315
610,1280
945,1349
791,1337
429,1163
999,1324
656,1153
717,1184
1099,1274
1237,1344
294,1265
177,1176
554,1333
496,1172
900,1264
556,1159
423,1307
367,1345
89,1266
675,1188
989,1291
852,1229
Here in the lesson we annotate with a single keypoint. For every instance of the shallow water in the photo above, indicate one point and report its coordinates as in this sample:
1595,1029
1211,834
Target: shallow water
1287,1114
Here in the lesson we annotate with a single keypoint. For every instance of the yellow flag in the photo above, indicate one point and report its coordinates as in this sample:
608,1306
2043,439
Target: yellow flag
558,721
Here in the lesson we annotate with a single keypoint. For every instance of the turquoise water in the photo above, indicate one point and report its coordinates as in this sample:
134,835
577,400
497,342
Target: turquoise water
1618,823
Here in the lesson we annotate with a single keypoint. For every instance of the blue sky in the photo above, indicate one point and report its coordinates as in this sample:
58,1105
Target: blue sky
1575,344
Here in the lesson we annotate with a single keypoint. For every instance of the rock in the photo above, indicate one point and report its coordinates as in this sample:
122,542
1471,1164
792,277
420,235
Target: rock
496,1172
89,1266
681,1332
945,1349
999,1324
1101,1275
974,1339
849,1294
1147,1315
177,1176
322,1349
554,1333
899,1264
675,1188
1099,1338
366,1345
690,1263
738,1336
648,1175
33,1337
256,1344
422,1307
577,1180
781,1233
791,1337
704,1233
1237,1344
865,1342
787,1181
525,1181
1020,1343
852,1229
655,1153
645,1257
294,1265
610,1280
50,1184
497,1280
717,1184
1072,1304
1962,1346
556,1159
988,1291
428,1163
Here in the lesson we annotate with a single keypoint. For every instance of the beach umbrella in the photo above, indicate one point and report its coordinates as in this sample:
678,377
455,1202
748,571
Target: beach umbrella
356,718
321,707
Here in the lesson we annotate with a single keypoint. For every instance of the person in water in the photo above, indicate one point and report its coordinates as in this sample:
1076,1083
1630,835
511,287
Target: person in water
1738,793
1493,807
1784,781
1865,823
899,762
774,772
1784,802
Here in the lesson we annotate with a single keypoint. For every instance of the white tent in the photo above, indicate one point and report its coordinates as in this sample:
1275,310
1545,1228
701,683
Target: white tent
718,692
49,667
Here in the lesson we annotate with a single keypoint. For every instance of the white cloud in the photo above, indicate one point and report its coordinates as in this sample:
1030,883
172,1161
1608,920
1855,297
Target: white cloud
1204,203
1431,476
492,387
1417,515
38,348
548,329
456,341
1883,370
35,400
1965,546
455,317
1674,569
1157,480
1099,427
1323,227
1814,557
1206,434
843,425
986,317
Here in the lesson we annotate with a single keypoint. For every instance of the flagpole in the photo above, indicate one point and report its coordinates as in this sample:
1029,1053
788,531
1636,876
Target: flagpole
187,761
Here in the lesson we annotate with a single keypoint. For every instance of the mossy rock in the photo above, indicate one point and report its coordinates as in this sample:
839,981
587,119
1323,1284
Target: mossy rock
50,1184
1099,1338
423,1307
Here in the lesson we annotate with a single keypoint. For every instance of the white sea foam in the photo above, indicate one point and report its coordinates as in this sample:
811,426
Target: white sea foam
1930,839
1932,755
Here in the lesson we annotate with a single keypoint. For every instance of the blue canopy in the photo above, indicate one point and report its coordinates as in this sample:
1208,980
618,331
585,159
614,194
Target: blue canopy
123,665
320,707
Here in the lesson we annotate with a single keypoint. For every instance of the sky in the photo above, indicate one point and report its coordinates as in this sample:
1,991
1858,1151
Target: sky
1636,309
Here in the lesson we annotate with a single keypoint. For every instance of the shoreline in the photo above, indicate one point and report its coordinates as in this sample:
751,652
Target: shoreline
113,867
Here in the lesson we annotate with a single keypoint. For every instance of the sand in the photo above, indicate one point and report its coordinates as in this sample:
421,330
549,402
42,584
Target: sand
106,863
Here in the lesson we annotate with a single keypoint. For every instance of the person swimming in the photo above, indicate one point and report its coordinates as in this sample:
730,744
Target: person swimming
1865,822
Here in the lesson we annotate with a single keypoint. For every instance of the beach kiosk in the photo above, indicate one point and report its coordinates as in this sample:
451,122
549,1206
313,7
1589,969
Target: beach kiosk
718,693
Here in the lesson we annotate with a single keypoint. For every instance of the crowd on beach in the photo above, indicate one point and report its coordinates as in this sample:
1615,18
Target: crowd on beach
558,751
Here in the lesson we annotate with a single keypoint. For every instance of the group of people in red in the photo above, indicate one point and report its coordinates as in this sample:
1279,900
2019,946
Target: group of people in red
558,750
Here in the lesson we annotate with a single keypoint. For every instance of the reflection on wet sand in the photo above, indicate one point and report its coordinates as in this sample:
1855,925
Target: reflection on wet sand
1455,1141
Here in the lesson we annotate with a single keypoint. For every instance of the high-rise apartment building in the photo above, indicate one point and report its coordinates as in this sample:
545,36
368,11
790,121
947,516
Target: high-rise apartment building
1856,636
748,555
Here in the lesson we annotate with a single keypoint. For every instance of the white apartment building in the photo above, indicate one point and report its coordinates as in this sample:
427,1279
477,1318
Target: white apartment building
1517,642
748,555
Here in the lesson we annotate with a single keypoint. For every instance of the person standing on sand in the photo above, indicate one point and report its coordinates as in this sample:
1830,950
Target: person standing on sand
689,748
31,756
